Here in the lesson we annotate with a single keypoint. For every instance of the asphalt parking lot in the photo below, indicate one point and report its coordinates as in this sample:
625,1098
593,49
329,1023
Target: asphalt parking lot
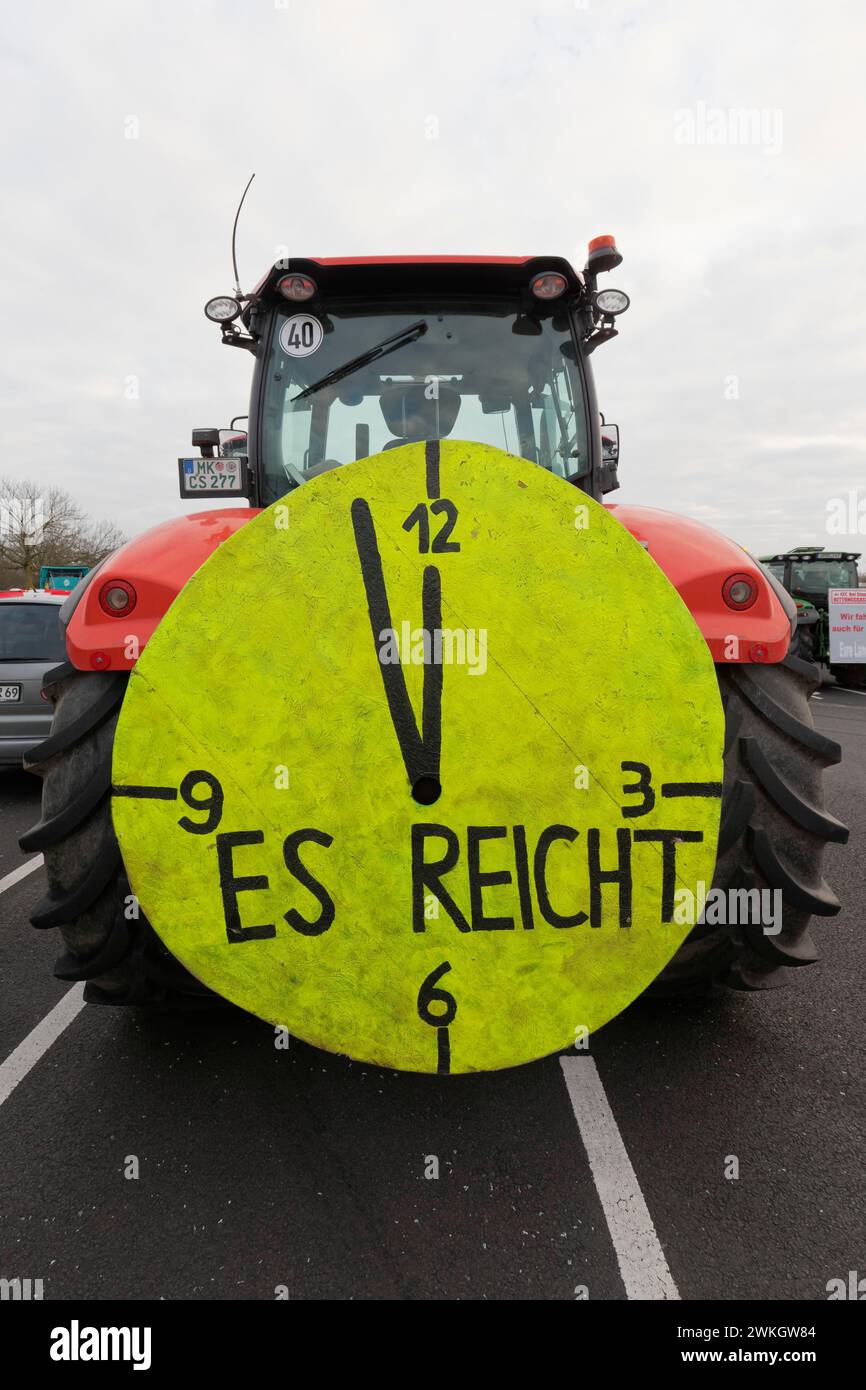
262,1170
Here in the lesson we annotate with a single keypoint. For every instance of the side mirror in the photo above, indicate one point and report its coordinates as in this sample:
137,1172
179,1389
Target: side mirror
610,443
609,457
232,444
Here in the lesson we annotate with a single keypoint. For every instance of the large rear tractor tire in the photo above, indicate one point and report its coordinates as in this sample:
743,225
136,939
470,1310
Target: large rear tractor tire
109,942
773,831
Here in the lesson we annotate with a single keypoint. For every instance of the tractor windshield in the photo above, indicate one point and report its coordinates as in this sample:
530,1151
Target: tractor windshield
485,372
817,576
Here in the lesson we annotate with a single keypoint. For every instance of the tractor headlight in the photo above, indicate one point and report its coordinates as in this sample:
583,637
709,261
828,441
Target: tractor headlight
611,302
223,309
297,287
548,285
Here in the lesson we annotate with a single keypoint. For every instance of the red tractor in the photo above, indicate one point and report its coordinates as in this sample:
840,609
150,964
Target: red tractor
359,357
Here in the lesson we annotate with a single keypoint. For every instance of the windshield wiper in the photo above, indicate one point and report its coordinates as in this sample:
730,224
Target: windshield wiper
397,340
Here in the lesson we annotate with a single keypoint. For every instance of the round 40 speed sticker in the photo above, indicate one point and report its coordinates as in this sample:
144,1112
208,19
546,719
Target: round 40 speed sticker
301,335
418,762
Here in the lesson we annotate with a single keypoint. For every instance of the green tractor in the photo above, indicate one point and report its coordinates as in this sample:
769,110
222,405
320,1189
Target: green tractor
809,572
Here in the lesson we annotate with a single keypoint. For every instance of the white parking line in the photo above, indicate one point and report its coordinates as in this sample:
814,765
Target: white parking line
37,1042
639,1255
21,872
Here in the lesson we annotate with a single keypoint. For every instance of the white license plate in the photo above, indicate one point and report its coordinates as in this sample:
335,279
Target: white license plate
8,693
223,475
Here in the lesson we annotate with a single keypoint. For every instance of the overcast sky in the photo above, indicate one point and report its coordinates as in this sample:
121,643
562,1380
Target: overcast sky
721,143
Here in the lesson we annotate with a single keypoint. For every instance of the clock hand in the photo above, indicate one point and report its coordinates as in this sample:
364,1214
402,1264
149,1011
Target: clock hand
431,690
420,751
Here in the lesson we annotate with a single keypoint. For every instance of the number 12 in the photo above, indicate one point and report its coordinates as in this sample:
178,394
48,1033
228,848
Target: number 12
419,517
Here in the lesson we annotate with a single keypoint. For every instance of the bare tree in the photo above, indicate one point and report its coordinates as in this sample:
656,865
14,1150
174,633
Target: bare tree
44,525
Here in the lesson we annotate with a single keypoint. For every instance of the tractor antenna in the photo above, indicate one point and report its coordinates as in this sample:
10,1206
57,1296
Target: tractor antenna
238,290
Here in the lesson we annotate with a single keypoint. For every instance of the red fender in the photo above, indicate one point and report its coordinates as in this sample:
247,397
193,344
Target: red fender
696,559
157,564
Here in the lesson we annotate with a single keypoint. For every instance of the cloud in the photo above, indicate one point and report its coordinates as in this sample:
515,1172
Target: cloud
737,376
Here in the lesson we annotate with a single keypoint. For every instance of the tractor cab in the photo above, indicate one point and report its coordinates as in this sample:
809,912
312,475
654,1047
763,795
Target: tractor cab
809,572
360,357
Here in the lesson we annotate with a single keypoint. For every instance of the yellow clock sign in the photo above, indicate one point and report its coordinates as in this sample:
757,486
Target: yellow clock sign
417,763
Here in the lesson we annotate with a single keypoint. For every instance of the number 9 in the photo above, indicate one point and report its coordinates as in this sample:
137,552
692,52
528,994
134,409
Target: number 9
212,803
